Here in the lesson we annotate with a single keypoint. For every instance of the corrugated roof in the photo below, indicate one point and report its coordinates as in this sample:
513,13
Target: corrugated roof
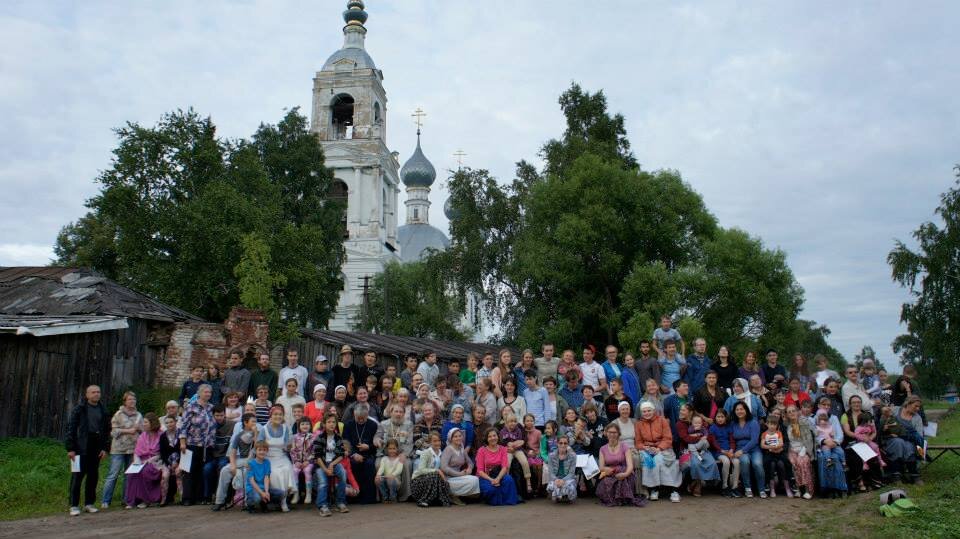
43,326
60,291
392,344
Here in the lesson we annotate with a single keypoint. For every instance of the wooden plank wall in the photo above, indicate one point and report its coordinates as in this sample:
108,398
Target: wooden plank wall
43,378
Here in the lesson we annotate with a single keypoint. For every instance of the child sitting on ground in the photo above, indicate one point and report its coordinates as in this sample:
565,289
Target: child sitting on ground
389,472
258,491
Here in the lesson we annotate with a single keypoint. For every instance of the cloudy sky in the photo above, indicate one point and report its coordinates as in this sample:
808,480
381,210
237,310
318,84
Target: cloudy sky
828,129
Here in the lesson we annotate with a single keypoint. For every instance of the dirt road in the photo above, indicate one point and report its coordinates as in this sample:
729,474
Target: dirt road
710,516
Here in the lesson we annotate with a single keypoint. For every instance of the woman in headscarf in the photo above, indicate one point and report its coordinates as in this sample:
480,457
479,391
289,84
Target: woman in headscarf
456,465
429,484
654,441
457,421
315,409
742,394
339,400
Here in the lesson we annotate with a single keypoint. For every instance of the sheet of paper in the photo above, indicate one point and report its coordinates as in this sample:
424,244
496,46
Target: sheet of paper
75,464
588,465
134,468
930,430
186,459
864,451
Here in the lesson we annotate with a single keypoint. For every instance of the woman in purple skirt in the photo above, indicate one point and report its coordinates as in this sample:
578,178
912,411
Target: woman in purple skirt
144,487
616,485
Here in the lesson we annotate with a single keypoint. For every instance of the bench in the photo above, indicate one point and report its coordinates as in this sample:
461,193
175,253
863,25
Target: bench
936,451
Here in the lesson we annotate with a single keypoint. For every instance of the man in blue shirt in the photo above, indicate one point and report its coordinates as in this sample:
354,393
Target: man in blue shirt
673,402
698,363
572,392
536,397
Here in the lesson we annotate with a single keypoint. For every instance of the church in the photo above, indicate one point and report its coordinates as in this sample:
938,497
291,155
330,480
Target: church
349,115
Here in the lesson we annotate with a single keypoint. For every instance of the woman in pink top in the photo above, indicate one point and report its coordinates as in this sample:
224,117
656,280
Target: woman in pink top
496,485
145,486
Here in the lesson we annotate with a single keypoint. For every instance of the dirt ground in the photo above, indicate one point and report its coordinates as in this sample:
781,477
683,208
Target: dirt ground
709,516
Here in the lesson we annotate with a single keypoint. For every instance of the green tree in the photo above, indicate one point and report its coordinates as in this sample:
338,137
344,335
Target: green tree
415,299
931,274
177,202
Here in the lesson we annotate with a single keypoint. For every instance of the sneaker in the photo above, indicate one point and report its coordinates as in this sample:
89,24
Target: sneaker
104,506
216,507
654,495
90,508
283,505
74,511
342,508
735,493
749,493
674,496
325,511
141,506
128,507
725,492
763,494
423,504
807,496
456,500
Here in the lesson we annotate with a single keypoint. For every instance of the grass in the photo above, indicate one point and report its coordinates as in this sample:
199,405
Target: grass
36,478
937,405
859,516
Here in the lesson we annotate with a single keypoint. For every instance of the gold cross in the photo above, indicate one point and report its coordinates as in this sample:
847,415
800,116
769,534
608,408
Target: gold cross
418,117
459,154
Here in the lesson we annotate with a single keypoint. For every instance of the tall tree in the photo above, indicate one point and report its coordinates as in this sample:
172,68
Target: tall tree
415,299
931,274
177,201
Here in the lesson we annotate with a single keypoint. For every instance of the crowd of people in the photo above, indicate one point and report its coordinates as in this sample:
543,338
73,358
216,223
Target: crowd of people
631,429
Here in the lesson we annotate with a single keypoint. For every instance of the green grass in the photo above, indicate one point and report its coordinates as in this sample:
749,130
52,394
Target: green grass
937,405
859,516
36,478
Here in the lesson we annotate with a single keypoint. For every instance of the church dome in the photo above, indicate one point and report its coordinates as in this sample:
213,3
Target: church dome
359,57
415,238
353,32
418,171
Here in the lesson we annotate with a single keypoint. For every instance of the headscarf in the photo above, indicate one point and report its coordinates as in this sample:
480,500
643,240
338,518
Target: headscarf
644,405
744,397
318,387
621,404
451,432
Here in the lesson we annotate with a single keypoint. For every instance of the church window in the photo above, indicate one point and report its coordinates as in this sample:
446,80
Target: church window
338,193
383,206
341,116
376,114
416,214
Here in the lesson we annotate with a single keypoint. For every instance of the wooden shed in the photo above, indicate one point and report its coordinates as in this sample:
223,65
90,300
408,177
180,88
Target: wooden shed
62,329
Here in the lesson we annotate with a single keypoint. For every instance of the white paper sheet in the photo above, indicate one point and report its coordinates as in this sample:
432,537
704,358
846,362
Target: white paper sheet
186,459
134,468
75,464
864,451
930,430
588,465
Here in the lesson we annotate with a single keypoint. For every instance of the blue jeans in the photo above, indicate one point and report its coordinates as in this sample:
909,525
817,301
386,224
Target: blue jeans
388,488
322,482
211,473
754,460
118,465
252,497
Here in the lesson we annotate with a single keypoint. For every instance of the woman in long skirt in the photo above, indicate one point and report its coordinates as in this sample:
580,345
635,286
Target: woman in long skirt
617,481
562,464
144,487
457,467
496,485
429,485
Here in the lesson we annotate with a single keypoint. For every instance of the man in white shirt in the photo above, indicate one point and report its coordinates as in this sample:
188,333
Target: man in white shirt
853,387
293,370
592,371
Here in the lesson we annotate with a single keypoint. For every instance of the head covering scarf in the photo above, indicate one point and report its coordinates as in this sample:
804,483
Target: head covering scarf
451,433
746,396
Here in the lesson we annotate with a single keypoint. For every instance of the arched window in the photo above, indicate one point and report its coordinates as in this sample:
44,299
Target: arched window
339,194
377,119
341,116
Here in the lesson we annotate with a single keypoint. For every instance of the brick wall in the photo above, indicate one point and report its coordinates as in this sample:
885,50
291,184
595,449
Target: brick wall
198,344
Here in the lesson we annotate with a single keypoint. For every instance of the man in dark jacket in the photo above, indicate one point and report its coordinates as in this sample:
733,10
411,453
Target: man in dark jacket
88,440
263,376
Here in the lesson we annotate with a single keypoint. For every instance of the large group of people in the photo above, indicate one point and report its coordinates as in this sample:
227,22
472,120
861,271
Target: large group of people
630,430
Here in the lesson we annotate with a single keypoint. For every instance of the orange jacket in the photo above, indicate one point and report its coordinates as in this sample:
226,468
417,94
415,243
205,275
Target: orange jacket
655,432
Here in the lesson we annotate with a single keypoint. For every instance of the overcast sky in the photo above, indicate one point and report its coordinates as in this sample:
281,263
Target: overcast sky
826,128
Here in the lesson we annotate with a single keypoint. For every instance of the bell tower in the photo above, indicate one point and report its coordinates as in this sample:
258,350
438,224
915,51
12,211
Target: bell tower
349,116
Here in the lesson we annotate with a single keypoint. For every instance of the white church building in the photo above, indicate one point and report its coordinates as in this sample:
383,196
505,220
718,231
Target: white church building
349,114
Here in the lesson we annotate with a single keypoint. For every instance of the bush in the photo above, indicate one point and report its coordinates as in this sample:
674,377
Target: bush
149,399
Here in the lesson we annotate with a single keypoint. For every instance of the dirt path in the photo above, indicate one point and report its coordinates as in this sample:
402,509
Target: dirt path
710,516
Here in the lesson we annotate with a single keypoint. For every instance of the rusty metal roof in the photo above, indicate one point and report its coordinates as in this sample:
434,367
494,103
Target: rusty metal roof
400,346
60,291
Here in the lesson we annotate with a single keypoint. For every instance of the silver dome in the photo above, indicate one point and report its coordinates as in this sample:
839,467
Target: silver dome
415,238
